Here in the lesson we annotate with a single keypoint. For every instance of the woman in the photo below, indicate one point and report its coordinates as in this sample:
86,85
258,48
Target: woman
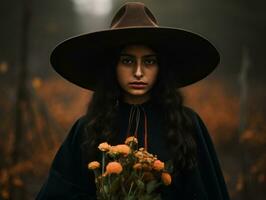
134,69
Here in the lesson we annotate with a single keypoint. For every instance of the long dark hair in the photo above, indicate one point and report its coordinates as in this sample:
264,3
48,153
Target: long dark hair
103,111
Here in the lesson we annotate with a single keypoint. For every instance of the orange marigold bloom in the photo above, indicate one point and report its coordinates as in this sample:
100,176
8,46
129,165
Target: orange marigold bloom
149,160
166,178
158,165
93,165
120,148
131,139
104,146
137,166
146,166
114,168
139,154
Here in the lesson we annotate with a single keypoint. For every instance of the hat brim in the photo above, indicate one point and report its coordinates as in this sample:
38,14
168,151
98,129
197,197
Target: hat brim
80,59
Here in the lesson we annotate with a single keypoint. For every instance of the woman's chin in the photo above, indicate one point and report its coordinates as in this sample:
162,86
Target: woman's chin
138,92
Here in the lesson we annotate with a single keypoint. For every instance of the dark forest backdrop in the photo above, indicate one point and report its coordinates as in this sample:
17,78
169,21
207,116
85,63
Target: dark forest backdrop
37,107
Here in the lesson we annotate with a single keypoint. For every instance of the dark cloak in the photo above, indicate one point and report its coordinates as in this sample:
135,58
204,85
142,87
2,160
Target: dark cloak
69,178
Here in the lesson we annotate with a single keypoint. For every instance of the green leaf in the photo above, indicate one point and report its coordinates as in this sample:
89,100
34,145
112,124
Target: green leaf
115,185
152,185
130,198
140,184
115,197
150,197
106,189
132,176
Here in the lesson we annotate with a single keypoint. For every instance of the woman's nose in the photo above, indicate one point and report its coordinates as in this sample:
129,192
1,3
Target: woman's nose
138,71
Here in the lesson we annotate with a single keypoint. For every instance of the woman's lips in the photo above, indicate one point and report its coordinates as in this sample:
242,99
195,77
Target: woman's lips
138,85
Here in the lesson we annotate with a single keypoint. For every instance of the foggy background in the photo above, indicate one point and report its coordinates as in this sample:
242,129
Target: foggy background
38,107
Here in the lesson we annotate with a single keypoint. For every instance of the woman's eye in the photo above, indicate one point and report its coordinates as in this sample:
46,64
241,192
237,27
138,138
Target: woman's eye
150,61
126,61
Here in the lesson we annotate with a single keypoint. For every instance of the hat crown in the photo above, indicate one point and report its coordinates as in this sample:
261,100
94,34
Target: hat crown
133,14
80,59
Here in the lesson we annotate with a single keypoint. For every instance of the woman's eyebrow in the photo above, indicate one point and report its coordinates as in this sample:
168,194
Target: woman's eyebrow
150,55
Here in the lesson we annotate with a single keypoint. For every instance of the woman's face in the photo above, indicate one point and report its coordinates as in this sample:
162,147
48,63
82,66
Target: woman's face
136,72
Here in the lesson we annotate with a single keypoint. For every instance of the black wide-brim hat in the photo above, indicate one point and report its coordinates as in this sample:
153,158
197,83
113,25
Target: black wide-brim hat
82,59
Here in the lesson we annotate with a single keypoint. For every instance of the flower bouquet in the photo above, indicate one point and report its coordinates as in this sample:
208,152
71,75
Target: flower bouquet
129,173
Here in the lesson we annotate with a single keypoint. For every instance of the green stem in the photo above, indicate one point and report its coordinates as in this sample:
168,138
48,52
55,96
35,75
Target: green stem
109,184
123,187
131,186
141,177
102,181
103,162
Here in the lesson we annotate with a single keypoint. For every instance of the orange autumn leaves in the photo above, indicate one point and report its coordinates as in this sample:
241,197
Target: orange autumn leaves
128,171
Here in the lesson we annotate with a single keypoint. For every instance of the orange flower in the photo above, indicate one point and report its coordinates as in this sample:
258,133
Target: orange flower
104,146
131,139
146,167
114,168
137,166
93,165
120,148
166,178
149,160
158,165
139,154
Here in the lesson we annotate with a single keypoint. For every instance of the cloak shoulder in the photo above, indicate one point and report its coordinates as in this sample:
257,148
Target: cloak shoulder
208,174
